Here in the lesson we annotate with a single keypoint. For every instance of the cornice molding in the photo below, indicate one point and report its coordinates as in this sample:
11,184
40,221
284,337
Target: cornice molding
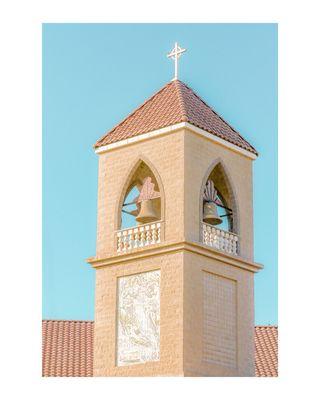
170,129
169,248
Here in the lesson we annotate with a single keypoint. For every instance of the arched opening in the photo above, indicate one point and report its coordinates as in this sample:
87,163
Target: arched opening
218,205
141,202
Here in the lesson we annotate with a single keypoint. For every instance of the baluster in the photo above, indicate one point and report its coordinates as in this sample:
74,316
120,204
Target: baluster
153,234
222,241
158,233
142,237
124,240
118,241
135,238
205,234
211,235
216,239
130,237
148,235
227,242
127,241
230,240
236,244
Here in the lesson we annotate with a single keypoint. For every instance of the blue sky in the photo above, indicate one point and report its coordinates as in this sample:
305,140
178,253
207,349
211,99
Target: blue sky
96,74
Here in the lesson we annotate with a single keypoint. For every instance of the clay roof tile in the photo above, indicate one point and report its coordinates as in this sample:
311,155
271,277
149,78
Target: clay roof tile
67,349
173,103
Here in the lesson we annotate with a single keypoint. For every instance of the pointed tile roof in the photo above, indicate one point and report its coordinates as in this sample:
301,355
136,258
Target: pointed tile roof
67,349
172,104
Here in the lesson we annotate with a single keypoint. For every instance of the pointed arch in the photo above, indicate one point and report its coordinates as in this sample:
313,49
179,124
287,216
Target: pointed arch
218,173
138,169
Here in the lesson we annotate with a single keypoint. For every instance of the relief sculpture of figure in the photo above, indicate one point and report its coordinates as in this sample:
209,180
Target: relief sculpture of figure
139,318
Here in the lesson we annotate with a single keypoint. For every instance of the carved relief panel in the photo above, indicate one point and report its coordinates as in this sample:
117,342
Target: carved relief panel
138,318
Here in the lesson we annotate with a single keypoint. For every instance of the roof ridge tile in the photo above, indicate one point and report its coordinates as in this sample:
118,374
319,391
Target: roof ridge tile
183,109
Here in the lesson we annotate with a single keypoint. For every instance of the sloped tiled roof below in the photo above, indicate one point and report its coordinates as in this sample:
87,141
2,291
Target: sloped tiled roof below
67,349
266,348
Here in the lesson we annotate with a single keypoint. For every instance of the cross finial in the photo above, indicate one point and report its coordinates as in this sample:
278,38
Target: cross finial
175,55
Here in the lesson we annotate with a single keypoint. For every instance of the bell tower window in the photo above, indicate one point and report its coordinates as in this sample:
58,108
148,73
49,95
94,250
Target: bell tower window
141,211
218,217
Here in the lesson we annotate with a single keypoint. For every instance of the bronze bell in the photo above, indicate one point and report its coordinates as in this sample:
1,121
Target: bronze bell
147,213
134,212
210,214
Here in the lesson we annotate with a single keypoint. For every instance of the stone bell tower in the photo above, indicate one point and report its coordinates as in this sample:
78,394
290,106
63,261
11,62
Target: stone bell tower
174,259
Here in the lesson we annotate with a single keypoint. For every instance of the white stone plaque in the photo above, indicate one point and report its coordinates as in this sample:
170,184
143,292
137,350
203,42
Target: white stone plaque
138,314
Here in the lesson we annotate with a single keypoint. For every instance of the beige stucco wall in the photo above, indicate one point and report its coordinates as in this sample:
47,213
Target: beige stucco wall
181,317
200,155
181,159
166,155
171,318
194,267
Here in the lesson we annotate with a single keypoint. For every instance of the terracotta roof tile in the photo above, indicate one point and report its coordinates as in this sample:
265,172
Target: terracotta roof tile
266,350
67,349
172,104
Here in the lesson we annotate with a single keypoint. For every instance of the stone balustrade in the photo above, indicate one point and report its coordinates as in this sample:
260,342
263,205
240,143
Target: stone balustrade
139,236
219,239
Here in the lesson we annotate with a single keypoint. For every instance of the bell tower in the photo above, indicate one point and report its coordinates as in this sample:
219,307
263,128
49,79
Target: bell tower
174,259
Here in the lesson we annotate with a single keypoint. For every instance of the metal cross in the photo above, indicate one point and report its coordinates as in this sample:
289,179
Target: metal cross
175,54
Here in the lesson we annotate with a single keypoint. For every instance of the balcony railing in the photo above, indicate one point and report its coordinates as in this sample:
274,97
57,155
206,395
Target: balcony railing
139,236
220,239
